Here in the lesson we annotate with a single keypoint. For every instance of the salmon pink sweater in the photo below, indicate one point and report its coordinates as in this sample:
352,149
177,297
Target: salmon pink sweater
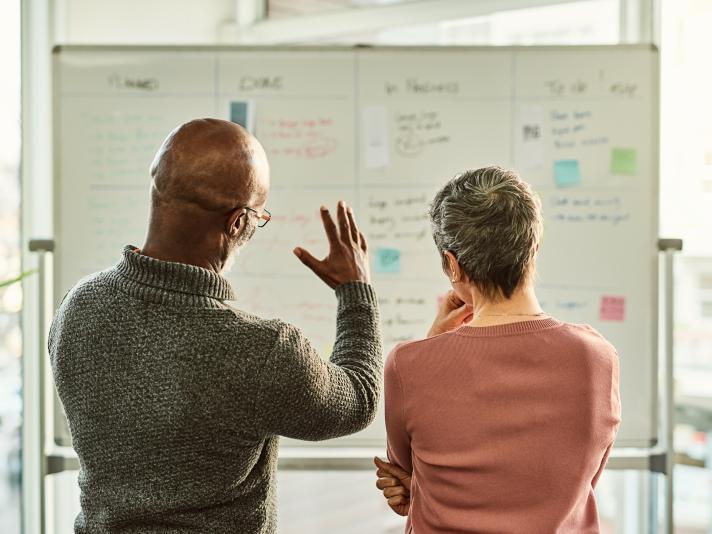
505,429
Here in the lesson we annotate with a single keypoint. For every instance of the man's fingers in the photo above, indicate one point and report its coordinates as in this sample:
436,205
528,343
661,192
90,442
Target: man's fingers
387,482
329,227
397,500
343,220
315,265
395,491
352,225
391,469
306,258
362,242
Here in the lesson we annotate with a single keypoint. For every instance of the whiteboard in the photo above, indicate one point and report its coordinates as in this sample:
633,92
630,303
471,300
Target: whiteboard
383,129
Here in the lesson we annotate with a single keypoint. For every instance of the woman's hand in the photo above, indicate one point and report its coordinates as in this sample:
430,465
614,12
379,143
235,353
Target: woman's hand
394,482
347,260
453,313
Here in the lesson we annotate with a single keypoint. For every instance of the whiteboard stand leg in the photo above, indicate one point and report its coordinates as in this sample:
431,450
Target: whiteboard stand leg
669,247
42,247
654,504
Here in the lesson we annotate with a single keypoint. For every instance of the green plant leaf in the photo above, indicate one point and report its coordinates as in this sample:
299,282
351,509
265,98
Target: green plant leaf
17,278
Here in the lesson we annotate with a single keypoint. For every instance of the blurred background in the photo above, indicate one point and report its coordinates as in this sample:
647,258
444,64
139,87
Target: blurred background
681,28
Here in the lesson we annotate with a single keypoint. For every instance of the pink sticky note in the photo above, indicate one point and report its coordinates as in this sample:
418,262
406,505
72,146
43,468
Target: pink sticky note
612,308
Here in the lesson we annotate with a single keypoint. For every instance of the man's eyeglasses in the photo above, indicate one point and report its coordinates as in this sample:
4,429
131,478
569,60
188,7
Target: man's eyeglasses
262,218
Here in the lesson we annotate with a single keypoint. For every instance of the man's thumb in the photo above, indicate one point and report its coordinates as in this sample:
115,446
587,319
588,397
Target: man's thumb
394,470
306,258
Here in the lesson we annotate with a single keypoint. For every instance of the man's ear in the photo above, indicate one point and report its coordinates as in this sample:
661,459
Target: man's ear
235,220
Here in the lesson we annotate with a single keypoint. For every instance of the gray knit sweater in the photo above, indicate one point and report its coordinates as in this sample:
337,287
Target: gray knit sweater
175,400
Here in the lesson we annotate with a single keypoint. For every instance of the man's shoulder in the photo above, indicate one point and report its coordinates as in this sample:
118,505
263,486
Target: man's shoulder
250,320
245,323
86,288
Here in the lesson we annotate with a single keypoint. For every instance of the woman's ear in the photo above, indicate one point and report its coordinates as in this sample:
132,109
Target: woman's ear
234,221
453,267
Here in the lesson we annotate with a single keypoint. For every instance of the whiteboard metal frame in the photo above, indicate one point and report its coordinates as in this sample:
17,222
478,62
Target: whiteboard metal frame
58,49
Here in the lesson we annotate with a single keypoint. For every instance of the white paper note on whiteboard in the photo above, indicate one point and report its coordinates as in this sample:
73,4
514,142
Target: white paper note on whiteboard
530,137
375,137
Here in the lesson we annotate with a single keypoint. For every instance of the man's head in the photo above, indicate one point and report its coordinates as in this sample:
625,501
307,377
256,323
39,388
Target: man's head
205,176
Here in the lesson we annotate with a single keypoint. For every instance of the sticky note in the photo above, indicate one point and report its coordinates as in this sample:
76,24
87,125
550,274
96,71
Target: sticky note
612,308
326,351
567,172
530,142
623,161
375,137
242,112
387,260
708,157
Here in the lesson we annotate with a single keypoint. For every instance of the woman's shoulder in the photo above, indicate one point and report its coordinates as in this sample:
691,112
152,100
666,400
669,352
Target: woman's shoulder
588,341
586,332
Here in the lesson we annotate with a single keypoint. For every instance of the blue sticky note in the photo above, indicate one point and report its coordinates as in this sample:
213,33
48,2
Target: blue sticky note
387,260
567,172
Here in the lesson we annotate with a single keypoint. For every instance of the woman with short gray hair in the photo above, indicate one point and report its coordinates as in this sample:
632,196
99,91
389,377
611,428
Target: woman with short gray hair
502,419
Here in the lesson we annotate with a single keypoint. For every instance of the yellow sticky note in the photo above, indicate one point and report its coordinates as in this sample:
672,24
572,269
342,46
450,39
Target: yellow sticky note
624,161
326,351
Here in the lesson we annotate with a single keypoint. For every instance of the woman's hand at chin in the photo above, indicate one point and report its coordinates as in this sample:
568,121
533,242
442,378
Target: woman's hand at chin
452,313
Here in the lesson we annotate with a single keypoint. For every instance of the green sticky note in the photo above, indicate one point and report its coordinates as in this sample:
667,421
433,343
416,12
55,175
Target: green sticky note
624,161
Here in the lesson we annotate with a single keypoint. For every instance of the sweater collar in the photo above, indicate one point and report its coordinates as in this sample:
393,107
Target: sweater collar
172,277
508,329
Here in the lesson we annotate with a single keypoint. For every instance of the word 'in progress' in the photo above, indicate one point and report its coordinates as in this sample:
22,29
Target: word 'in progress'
415,86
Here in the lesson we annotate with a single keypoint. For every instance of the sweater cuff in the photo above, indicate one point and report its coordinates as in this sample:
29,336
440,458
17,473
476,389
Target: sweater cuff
356,293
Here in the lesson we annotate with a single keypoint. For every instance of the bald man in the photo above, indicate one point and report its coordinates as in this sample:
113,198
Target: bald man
175,400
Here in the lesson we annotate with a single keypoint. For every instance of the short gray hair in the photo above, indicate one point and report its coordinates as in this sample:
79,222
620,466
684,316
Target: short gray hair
490,220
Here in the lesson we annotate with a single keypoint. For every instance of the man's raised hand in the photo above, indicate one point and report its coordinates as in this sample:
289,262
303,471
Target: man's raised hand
347,260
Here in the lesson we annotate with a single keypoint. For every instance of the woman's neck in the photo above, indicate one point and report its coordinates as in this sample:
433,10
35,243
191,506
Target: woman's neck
523,305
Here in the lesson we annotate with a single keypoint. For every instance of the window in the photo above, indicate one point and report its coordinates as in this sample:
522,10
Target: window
10,292
277,9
